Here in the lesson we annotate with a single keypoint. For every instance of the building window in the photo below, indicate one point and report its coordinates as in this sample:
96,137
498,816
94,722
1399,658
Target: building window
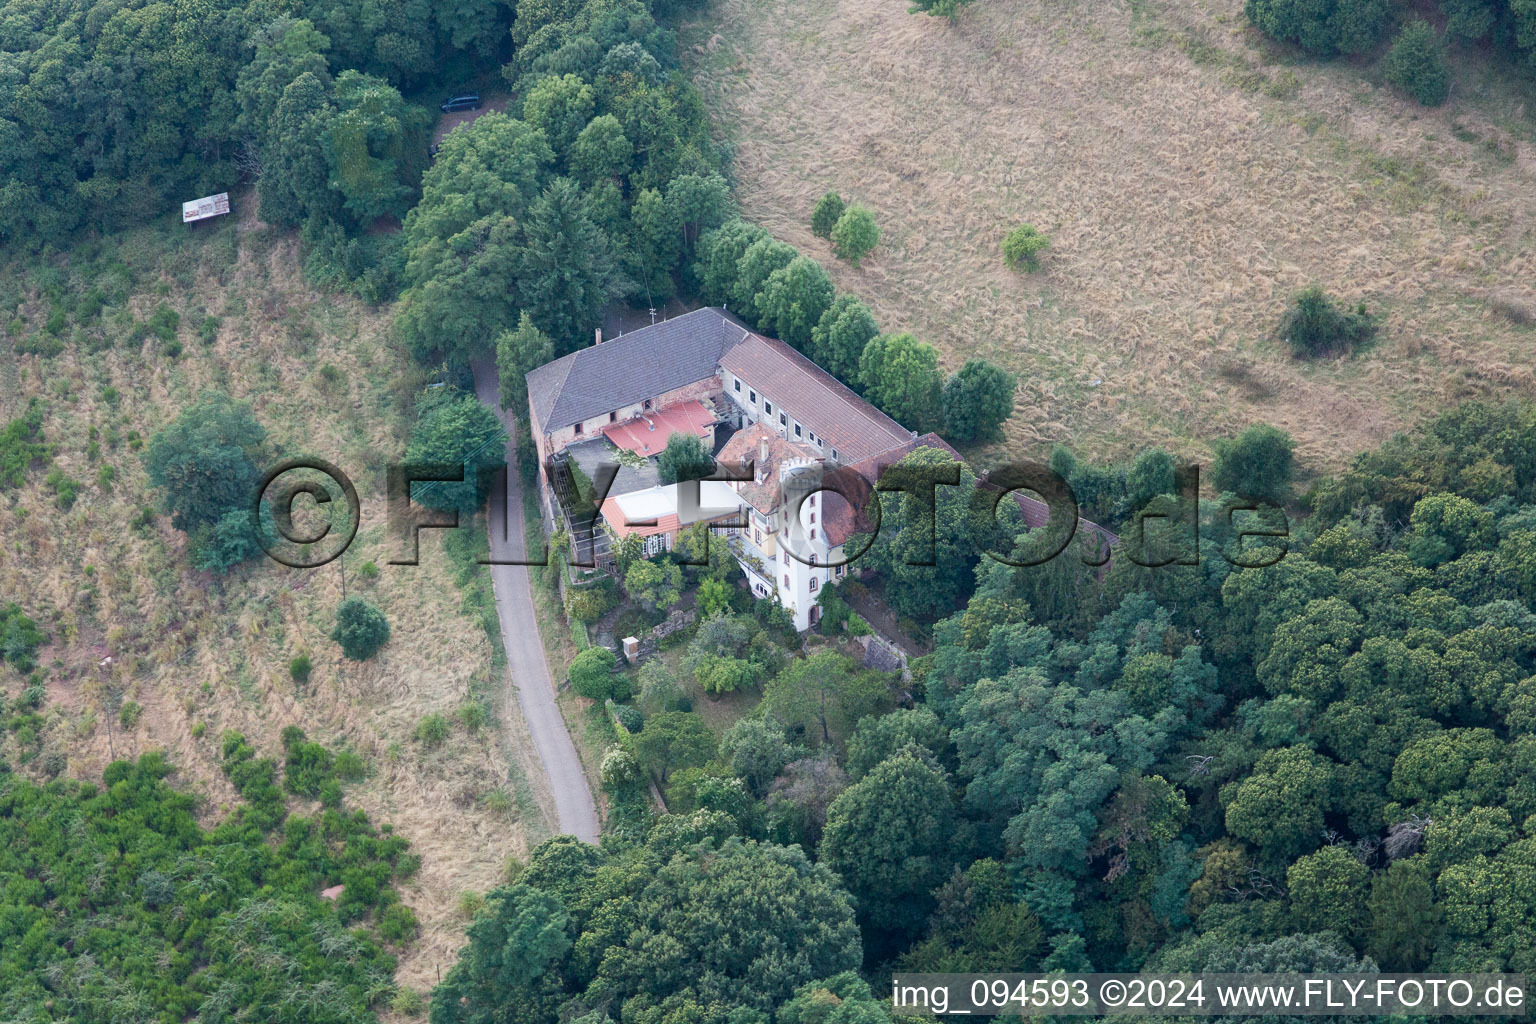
578,430
767,407
783,420
647,405
613,417
817,440
737,385
813,435
757,537
813,518
840,570
786,581
797,430
812,501
814,584
813,535
834,454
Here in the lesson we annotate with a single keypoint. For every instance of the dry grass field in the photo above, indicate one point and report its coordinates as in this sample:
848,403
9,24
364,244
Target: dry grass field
200,654
1191,178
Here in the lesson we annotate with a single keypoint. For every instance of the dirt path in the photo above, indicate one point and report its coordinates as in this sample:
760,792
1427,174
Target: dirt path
574,807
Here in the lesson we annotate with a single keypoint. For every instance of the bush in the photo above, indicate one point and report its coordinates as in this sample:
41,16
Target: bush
129,714
431,731
361,629
21,445
299,668
1316,326
629,717
824,217
19,637
1258,462
1022,248
1416,64
592,674
855,234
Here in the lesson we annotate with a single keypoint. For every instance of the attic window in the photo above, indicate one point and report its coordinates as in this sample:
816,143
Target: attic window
783,420
737,385
834,453
797,430
613,417
578,430
752,396
767,407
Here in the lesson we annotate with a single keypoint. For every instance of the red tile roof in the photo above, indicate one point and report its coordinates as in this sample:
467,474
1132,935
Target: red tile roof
746,446
648,434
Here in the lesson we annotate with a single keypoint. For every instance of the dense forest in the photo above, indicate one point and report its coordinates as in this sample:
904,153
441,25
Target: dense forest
1322,763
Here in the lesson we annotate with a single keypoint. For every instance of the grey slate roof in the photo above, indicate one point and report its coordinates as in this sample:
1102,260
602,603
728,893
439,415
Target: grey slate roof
630,368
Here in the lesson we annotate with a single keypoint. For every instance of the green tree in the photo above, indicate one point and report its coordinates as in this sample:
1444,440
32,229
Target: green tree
757,264
794,299
205,461
976,400
560,106
221,546
1022,248
375,145
518,352
889,837
1280,806
855,234
592,675
823,691
567,270
1321,27
824,217
1328,891
1405,921
1416,64
1258,462
655,584
720,253
900,375
455,429
838,339
842,999
286,48
672,740
881,737
756,750
684,458
516,945
361,629
600,151
659,688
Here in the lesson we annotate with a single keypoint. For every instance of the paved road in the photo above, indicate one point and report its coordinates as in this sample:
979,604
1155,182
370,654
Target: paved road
525,651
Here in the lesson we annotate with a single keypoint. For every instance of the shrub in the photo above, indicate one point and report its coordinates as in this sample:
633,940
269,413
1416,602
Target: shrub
408,1003
473,716
65,487
1022,248
21,445
361,629
629,717
1322,27
299,668
129,714
1258,462
19,637
221,546
1316,326
824,217
431,731
855,234
1416,64
592,674
498,801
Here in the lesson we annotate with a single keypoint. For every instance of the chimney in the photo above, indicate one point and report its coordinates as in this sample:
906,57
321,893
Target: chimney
597,338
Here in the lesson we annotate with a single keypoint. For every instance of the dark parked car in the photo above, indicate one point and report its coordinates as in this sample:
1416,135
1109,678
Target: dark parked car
470,102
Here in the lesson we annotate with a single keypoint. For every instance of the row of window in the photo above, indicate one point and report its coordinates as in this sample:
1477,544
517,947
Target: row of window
783,418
